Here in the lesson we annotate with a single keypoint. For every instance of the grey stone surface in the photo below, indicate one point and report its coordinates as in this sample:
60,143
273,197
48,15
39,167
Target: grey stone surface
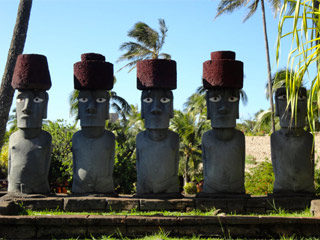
223,147
157,147
292,149
29,147
93,147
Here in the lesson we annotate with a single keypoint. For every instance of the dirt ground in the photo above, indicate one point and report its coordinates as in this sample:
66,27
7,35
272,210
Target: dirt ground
259,147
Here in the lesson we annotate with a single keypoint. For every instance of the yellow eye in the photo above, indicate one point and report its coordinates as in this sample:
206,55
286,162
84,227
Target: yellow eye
165,100
38,100
148,100
233,99
83,100
101,100
282,97
215,98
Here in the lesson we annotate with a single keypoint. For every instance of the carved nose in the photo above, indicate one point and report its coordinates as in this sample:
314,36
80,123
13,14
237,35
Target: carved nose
91,109
156,109
27,107
223,110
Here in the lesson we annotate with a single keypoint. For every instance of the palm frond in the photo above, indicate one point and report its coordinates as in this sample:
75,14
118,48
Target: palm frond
165,56
228,6
163,31
144,34
252,9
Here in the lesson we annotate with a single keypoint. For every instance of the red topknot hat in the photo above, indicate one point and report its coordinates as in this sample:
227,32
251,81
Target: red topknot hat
31,72
93,73
223,71
156,73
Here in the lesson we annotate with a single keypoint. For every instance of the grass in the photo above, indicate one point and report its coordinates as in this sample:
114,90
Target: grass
213,212
250,160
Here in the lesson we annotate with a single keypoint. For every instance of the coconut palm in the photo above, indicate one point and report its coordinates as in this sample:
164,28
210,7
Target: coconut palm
190,132
226,6
16,48
148,44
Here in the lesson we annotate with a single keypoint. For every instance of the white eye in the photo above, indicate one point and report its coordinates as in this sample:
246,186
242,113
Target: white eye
301,97
148,100
101,100
19,100
165,100
233,99
83,99
282,97
38,100
215,98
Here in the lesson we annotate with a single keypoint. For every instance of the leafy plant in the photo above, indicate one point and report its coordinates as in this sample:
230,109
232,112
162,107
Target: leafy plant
61,157
259,180
4,154
251,159
190,188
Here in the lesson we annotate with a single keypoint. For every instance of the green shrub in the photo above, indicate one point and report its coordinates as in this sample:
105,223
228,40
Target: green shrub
259,181
4,155
190,188
61,156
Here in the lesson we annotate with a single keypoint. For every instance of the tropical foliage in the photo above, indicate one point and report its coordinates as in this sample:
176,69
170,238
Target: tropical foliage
148,44
304,53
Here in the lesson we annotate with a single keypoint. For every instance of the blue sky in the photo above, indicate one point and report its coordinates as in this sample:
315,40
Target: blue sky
64,29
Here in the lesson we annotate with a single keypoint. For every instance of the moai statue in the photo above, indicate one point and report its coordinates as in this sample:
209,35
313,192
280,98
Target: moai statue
93,147
30,146
157,147
292,148
223,147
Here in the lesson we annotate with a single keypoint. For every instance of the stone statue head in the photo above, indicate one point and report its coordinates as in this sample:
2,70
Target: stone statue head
93,77
31,108
31,78
223,107
284,112
157,108
93,108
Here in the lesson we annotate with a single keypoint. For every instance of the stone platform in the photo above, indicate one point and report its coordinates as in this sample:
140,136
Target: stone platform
80,226
248,204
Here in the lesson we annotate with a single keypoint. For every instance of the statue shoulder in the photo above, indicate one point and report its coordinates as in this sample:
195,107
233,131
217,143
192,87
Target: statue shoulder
207,135
109,134
46,136
239,134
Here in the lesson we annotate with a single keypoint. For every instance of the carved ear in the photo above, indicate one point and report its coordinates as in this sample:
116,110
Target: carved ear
142,110
208,107
45,109
276,107
171,114
107,108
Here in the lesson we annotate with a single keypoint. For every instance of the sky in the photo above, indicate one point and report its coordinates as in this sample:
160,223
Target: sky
64,29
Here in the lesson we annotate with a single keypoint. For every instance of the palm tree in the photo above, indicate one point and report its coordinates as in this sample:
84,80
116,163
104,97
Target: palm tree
147,46
190,132
230,5
16,48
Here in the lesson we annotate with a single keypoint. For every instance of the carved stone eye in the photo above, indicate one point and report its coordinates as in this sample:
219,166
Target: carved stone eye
38,100
215,98
282,97
233,99
83,100
301,97
148,100
165,100
101,100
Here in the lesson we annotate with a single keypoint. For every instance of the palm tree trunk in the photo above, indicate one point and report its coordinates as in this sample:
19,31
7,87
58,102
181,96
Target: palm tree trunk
268,64
186,170
16,48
